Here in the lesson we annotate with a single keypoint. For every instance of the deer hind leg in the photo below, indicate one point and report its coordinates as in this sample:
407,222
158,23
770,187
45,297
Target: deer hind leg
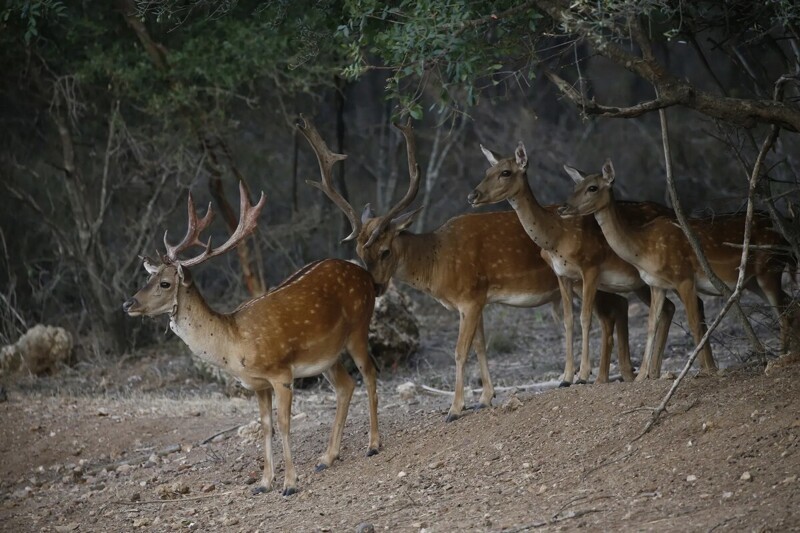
359,350
770,284
648,367
612,310
662,325
486,381
466,332
283,401
343,385
589,293
688,294
264,397
565,286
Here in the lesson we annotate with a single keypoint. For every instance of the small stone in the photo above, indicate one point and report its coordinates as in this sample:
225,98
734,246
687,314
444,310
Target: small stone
407,390
691,478
135,497
434,465
790,479
299,416
526,465
668,376
512,404
124,468
726,495
102,411
746,476
401,474
229,521
141,522
365,527
174,448
542,488
209,487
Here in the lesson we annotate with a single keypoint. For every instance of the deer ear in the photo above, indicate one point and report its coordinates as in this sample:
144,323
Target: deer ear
491,156
608,171
521,156
576,175
149,265
184,276
404,221
367,214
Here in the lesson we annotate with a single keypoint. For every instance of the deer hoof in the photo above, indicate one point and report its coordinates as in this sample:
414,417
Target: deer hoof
564,384
259,490
479,406
319,468
451,417
372,451
581,382
288,491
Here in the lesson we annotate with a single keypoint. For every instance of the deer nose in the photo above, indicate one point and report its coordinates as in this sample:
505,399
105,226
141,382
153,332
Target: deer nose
128,304
473,196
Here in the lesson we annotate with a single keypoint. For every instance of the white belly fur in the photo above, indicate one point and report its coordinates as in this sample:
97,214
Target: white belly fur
305,371
521,300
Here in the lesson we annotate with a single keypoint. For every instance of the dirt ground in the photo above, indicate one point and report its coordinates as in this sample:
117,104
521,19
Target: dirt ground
130,445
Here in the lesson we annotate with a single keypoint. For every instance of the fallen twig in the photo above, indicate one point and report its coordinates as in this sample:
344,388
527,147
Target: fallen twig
175,500
545,385
224,431
541,523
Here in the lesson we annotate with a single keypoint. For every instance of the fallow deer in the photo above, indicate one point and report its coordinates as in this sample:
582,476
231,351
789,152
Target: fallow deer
469,262
661,253
298,329
574,247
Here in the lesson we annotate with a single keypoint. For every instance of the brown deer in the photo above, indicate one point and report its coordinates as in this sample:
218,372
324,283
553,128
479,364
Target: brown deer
298,329
469,262
574,248
661,253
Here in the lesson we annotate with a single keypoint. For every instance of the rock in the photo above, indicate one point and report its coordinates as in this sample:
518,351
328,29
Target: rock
124,468
691,478
746,476
209,487
726,495
435,465
173,448
72,526
394,330
790,479
401,474
135,497
668,376
512,404
38,351
141,522
407,390
251,432
365,527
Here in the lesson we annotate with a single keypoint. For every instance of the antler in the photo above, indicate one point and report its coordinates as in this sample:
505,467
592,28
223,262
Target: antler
326,160
248,218
413,185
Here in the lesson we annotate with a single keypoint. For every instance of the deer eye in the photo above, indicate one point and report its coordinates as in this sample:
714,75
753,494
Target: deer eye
385,253
505,173
164,285
592,188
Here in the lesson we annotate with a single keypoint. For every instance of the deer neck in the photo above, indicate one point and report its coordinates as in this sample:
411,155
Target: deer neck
418,254
543,226
618,232
206,332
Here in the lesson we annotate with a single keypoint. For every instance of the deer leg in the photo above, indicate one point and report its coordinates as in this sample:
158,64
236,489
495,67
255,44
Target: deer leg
662,326
587,304
343,386
770,285
283,401
657,297
612,310
359,351
565,286
688,294
466,332
264,397
486,381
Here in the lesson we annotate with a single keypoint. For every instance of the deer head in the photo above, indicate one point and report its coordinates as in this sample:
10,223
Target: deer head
503,180
375,235
592,192
160,294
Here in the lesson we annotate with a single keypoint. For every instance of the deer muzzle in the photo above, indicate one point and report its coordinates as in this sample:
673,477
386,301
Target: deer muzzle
474,197
129,304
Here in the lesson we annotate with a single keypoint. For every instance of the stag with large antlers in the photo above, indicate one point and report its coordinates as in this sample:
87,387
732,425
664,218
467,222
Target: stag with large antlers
298,329
469,262
576,250
661,253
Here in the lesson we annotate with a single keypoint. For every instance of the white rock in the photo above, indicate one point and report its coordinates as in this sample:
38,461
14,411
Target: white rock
407,390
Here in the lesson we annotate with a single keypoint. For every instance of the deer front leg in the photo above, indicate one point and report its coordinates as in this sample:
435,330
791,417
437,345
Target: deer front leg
657,297
565,286
264,397
466,332
283,400
486,381
343,386
612,310
587,305
359,351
